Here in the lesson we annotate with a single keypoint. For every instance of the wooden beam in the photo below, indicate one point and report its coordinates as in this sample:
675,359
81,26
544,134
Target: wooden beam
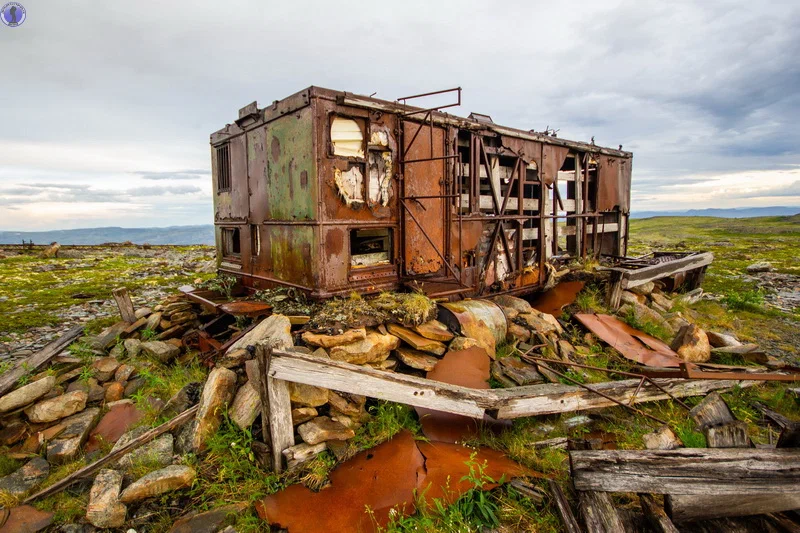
655,515
634,278
555,398
277,408
410,390
688,508
688,471
599,513
125,305
564,510
9,379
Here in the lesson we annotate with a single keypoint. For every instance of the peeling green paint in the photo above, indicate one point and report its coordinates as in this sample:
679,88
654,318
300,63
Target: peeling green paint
291,177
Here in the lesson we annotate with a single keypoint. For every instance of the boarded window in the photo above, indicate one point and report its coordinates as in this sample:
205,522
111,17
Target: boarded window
231,242
347,137
223,168
370,247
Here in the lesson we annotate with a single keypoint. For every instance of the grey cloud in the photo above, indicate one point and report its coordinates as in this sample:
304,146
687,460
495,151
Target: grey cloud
160,191
773,192
179,175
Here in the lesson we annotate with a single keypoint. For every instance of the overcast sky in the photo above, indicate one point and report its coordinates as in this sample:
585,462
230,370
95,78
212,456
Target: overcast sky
107,106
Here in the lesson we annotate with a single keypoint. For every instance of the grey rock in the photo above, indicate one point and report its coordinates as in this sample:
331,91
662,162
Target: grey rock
26,394
68,444
163,352
104,509
167,479
26,477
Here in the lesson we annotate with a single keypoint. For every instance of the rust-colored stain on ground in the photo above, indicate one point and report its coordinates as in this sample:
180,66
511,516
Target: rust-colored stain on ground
554,300
24,519
446,465
467,368
630,342
112,426
379,479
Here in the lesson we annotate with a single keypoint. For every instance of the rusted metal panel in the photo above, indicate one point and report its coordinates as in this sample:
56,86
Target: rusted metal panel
482,320
289,249
614,187
424,218
631,343
291,168
552,160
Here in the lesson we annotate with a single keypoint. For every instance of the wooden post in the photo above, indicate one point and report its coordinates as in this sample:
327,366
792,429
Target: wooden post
276,409
124,304
655,515
614,291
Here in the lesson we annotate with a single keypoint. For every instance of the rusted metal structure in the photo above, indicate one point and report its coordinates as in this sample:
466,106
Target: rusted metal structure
330,192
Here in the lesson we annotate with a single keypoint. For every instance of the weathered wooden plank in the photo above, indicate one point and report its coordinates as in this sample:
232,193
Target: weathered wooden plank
729,435
688,471
277,409
29,364
711,411
599,513
125,305
633,278
410,390
564,510
556,398
655,515
687,508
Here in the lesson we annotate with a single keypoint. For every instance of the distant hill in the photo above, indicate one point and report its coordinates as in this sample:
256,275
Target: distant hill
736,212
171,235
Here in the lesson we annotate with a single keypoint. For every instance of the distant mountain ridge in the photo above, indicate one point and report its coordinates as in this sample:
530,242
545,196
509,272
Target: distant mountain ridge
204,234
184,235
734,212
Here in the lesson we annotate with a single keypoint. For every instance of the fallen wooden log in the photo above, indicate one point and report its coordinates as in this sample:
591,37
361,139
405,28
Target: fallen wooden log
688,471
113,456
687,508
556,398
10,378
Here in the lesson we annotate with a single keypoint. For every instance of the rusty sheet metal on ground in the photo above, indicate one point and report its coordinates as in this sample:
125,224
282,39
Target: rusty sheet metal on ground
381,479
467,368
113,425
631,343
481,320
24,519
557,298
447,464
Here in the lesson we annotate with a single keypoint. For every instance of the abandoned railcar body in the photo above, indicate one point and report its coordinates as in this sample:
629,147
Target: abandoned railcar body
331,193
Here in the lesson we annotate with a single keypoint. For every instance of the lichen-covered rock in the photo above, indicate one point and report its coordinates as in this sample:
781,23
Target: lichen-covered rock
434,330
661,300
761,266
416,358
114,392
691,344
322,429
217,394
104,509
512,302
276,330
167,479
416,341
303,414
307,395
722,340
124,373
644,289
67,446
462,343
26,477
56,408
133,347
27,394
159,451
329,341
162,351
104,368
209,521
182,400
245,407
375,347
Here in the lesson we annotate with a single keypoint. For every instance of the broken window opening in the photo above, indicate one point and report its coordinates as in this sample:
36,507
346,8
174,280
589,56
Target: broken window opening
347,137
370,247
231,242
223,168
379,185
350,184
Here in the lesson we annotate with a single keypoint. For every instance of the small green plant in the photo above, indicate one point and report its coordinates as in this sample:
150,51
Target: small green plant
87,373
223,284
477,503
149,334
746,300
